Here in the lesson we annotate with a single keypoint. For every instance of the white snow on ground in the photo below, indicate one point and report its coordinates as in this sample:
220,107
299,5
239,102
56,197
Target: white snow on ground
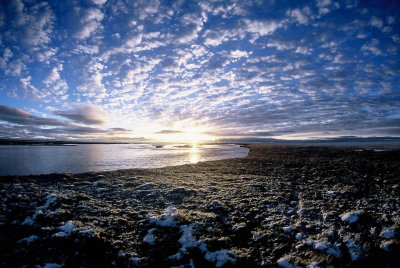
355,250
66,229
188,240
256,235
299,236
49,265
214,205
313,265
132,257
324,246
150,238
239,226
386,245
29,239
287,229
50,199
285,262
166,219
146,186
388,232
351,217
219,257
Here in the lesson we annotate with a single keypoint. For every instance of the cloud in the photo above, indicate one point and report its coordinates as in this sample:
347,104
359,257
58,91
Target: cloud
236,54
55,84
46,55
262,27
167,131
89,21
87,49
134,41
29,25
15,68
324,6
372,47
88,114
376,22
7,55
99,2
18,116
252,67
279,45
91,81
217,37
31,92
25,125
301,16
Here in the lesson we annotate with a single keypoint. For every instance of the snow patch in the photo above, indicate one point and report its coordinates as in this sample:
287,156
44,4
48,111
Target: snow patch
256,235
188,240
299,236
324,246
29,239
150,238
220,257
146,186
313,265
386,245
135,261
355,250
215,205
166,219
285,262
287,229
66,229
50,199
49,265
351,217
389,232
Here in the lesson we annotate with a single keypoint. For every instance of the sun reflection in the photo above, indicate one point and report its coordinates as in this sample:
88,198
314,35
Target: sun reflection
194,153
194,147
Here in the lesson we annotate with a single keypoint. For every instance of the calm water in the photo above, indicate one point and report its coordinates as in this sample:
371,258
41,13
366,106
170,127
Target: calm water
24,160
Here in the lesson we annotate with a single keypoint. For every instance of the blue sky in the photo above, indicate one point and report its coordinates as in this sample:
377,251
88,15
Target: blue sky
186,70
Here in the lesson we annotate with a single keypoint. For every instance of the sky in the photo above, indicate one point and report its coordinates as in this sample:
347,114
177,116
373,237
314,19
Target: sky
199,70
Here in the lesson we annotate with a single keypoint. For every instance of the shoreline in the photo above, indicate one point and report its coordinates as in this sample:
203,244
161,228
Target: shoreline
364,148
280,205
49,161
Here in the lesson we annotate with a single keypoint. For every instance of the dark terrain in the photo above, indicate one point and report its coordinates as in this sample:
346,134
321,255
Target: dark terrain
280,206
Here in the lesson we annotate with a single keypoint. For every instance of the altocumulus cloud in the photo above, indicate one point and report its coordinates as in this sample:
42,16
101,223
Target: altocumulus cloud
234,68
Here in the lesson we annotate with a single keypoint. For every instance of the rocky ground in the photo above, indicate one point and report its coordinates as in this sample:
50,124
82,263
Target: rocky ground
280,206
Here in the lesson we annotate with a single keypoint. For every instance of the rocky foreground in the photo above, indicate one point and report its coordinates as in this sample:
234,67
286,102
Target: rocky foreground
280,206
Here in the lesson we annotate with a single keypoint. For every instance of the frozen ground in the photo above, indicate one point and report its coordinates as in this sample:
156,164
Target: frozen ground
281,206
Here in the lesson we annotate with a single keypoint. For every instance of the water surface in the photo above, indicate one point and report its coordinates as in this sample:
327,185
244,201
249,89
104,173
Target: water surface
25,159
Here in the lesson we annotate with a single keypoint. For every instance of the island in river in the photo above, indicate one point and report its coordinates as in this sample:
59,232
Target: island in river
280,206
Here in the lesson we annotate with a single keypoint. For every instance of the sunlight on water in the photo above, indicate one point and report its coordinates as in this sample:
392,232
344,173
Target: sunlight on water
194,154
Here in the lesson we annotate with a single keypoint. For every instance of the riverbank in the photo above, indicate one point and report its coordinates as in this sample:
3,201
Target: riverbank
280,205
